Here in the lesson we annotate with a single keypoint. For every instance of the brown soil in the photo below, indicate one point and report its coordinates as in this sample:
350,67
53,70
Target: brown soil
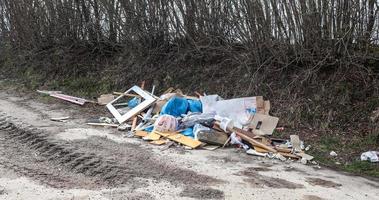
322,183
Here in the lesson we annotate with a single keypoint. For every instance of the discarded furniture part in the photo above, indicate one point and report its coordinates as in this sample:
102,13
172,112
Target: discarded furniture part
104,99
177,137
263,124
59,119
372,156
135,101
103,124
148,100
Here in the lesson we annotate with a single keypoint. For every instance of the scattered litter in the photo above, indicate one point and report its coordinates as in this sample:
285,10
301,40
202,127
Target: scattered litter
207,121
333,154
372,156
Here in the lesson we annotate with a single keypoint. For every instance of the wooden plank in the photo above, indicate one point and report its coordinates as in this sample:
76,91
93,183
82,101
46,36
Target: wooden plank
158,142
248,136
103,124
182,139
76,100
289,155
260,150
152,136
141,133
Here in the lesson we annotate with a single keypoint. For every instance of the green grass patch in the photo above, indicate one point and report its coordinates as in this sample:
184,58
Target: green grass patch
363,167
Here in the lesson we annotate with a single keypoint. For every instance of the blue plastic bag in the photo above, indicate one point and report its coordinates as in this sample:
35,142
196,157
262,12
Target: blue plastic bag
176,106
188,132
194,105
133,102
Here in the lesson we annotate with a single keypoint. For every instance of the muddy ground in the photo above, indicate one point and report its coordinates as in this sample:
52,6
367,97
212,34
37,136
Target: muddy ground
42,159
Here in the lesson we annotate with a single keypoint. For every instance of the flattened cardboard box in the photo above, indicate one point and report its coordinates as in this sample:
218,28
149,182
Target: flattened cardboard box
263,124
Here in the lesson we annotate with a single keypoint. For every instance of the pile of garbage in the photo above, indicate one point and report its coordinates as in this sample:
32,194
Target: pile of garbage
201,121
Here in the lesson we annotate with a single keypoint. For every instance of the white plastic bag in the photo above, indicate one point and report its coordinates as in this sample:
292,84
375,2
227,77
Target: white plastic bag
371,156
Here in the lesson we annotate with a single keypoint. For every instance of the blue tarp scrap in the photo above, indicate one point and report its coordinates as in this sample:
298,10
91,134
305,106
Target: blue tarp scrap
176,106
133,102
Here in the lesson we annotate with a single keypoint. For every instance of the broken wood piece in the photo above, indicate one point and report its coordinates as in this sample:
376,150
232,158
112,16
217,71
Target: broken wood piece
103,124
104,99
72,99
283,150
152,136
248,136
48,92
182,139
158,142
59,119
260,150
141,133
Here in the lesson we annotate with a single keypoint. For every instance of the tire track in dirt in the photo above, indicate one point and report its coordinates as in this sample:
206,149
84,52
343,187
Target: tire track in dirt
94,163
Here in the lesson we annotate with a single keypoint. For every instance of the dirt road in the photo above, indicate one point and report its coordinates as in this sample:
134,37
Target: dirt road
42,159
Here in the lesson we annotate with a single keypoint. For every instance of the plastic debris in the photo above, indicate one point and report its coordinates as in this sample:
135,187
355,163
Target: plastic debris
333,154
372,156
